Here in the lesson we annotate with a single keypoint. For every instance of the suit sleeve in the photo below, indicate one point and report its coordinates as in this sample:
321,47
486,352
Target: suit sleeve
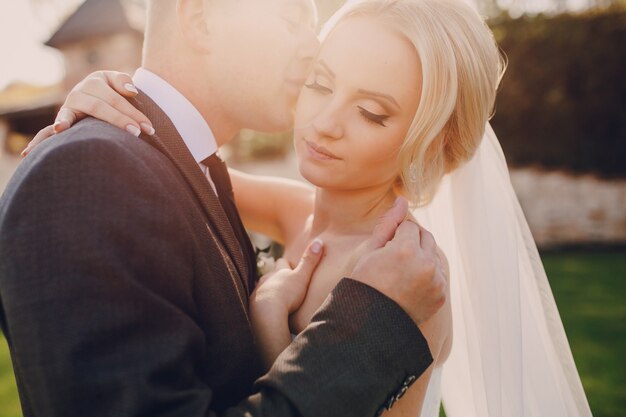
99,324
358,356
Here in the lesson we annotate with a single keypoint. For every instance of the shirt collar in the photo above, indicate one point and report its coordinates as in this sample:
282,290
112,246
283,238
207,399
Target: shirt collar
187,120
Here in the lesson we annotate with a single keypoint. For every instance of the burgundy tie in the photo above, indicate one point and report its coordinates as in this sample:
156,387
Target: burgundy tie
221,179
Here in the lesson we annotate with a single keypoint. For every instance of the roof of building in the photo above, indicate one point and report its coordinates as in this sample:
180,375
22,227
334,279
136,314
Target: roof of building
18,98
92,18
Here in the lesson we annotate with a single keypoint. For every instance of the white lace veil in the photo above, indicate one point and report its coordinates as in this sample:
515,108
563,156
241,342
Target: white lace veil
510,356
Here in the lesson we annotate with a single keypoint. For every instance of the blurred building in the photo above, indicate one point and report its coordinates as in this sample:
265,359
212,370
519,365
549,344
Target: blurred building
24,109
98,34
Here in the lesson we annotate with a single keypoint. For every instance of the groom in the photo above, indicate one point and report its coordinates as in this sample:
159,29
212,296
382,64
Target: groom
124,278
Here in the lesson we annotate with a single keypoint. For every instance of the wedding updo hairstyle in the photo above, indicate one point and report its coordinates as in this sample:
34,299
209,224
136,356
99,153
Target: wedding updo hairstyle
461,68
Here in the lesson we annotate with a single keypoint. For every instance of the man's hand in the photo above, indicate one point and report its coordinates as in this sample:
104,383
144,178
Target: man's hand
401,261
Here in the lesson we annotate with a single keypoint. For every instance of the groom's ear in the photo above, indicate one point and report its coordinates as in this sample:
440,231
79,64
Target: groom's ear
192,18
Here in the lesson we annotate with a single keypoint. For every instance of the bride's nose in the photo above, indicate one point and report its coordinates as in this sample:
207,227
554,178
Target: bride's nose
328,124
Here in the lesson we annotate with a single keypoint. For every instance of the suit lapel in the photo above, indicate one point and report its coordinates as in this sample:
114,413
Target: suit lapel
168,141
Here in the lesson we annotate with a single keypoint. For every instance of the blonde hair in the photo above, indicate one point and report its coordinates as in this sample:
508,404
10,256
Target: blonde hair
461,69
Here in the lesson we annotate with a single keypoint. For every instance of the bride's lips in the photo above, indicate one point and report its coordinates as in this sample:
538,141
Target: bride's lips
319,152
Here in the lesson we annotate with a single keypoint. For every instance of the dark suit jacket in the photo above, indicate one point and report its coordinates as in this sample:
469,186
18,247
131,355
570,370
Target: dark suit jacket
124,292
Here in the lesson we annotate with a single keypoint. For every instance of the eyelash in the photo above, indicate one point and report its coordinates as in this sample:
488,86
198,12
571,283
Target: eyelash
370,117
316,86
379,119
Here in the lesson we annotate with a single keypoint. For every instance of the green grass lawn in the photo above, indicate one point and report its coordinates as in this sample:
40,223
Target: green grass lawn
9,403
590,291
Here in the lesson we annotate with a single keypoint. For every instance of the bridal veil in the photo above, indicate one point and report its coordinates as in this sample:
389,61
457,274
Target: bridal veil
510,355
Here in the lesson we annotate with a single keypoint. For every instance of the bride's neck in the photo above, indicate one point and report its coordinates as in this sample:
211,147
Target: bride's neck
350,212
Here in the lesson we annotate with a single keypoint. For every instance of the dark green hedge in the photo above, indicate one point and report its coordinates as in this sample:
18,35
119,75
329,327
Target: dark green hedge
562,102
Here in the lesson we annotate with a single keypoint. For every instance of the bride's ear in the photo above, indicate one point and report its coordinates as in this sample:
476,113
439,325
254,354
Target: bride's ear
192,18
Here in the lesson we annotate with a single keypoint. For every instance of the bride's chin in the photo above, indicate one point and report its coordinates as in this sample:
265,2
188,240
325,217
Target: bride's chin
314,176
308,175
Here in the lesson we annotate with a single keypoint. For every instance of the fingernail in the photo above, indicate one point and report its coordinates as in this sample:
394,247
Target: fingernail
395,203
131,88
316,246
147,128
133,130
57,125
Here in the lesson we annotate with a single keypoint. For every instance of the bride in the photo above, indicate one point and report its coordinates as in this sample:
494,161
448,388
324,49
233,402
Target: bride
397,104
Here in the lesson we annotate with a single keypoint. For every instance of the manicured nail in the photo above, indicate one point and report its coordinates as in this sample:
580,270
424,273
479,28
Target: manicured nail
58,124
131,88
147,128
133,130
316,246
395,203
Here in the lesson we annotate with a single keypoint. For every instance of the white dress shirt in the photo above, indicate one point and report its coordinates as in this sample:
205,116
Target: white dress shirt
187,120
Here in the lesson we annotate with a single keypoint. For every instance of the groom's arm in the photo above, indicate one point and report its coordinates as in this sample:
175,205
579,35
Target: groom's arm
358,355
93,332
94,267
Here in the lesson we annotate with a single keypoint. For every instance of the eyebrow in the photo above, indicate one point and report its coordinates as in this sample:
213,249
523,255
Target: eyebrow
361,91
381,95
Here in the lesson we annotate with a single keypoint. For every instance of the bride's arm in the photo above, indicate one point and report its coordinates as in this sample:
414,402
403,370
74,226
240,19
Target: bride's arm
275,207
102,94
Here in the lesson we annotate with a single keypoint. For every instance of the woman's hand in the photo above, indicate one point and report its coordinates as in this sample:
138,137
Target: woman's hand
277,295
102,94
285,288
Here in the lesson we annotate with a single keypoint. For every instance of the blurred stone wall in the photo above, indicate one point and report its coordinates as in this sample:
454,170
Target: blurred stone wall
563,208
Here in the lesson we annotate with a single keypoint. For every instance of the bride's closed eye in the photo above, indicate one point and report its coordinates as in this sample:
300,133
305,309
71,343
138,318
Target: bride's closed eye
373,117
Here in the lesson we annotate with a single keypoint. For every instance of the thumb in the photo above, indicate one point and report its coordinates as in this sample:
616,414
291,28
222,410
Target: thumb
387,224
310,259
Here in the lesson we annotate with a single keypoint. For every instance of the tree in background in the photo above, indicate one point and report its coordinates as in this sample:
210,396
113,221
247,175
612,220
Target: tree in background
561,103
